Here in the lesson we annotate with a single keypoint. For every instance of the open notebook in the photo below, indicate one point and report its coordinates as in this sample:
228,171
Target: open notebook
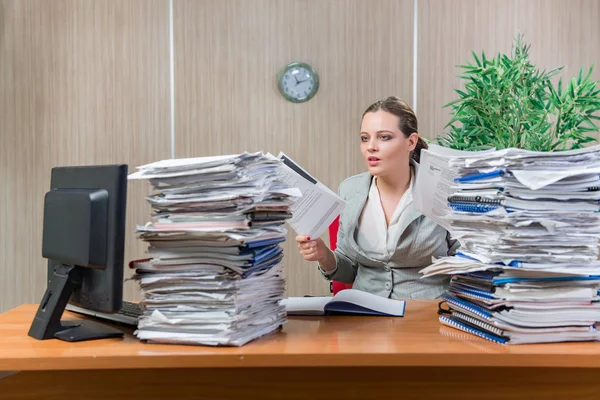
349,302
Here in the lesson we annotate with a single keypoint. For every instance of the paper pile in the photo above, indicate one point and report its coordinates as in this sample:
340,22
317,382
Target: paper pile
215,276
529,227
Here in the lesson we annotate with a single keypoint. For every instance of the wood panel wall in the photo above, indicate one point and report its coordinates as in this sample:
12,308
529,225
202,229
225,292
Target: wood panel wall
81,82
87,82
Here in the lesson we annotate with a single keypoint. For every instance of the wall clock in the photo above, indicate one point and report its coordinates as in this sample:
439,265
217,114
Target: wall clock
298,82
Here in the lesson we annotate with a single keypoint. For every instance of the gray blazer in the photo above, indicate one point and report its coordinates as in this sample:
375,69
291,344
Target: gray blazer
421,239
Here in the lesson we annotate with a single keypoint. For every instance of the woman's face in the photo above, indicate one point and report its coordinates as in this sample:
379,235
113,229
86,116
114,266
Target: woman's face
383,146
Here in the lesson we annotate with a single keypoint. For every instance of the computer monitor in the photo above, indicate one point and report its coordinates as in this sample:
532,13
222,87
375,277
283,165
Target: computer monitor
83,240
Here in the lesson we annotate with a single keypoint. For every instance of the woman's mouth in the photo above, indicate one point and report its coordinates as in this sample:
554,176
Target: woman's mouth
373,161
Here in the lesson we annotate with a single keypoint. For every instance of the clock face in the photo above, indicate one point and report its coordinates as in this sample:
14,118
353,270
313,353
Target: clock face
298,82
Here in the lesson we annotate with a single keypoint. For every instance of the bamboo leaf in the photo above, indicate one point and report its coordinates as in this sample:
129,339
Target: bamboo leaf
452,103
554,72
559,89
554,96
476,59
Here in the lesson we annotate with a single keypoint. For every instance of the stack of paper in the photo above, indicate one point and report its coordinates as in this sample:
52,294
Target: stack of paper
529,228
215,273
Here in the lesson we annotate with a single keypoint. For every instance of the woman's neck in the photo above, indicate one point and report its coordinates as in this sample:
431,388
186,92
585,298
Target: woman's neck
396,184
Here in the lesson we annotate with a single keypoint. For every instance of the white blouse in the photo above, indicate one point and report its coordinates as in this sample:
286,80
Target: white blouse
377,240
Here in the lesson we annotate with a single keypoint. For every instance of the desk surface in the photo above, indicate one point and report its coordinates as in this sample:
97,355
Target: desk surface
418,339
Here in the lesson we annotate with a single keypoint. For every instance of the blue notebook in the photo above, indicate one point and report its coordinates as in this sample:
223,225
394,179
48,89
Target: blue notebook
264,242
458,289
257,269
449,321
467,306
345,302
473,207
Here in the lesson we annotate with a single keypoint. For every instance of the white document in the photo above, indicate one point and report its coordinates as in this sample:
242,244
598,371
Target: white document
435,181
318,207
433,187
222,338
535,179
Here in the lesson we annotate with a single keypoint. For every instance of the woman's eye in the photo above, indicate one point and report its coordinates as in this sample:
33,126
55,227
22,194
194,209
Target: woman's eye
364,138
385,137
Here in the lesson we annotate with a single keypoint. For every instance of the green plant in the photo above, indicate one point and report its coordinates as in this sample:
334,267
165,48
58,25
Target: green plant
508,102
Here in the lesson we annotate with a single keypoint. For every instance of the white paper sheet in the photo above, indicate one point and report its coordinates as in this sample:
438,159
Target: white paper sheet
318,207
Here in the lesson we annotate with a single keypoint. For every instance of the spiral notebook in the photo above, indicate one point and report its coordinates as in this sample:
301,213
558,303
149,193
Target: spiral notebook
477,323
474,199
472,207
467,307
454,323
460,290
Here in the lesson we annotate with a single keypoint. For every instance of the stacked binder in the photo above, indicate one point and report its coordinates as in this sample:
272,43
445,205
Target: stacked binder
528,224
215,273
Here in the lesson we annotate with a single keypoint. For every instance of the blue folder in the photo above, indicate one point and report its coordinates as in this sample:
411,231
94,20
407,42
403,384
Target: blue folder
478,177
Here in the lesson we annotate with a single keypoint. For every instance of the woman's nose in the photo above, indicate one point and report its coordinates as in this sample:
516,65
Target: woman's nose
372,146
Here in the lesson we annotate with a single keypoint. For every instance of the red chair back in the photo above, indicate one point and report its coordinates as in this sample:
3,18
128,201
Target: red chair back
333,231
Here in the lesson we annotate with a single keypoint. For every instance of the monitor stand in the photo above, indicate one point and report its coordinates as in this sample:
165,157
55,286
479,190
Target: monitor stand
47,323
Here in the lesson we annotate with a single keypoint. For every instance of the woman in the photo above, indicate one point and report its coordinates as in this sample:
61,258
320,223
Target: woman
383,241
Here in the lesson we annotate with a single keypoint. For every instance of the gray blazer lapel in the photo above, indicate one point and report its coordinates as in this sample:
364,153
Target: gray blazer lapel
355,203
408,217
410,213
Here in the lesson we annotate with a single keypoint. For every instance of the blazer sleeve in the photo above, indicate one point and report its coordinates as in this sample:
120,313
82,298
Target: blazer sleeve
345,267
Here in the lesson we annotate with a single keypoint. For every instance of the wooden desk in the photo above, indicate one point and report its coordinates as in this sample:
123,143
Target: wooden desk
311,358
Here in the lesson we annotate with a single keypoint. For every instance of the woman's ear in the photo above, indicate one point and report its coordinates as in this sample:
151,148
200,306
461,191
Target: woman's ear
413,139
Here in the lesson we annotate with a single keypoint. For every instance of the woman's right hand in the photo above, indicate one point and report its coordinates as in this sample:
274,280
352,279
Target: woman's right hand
316,250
